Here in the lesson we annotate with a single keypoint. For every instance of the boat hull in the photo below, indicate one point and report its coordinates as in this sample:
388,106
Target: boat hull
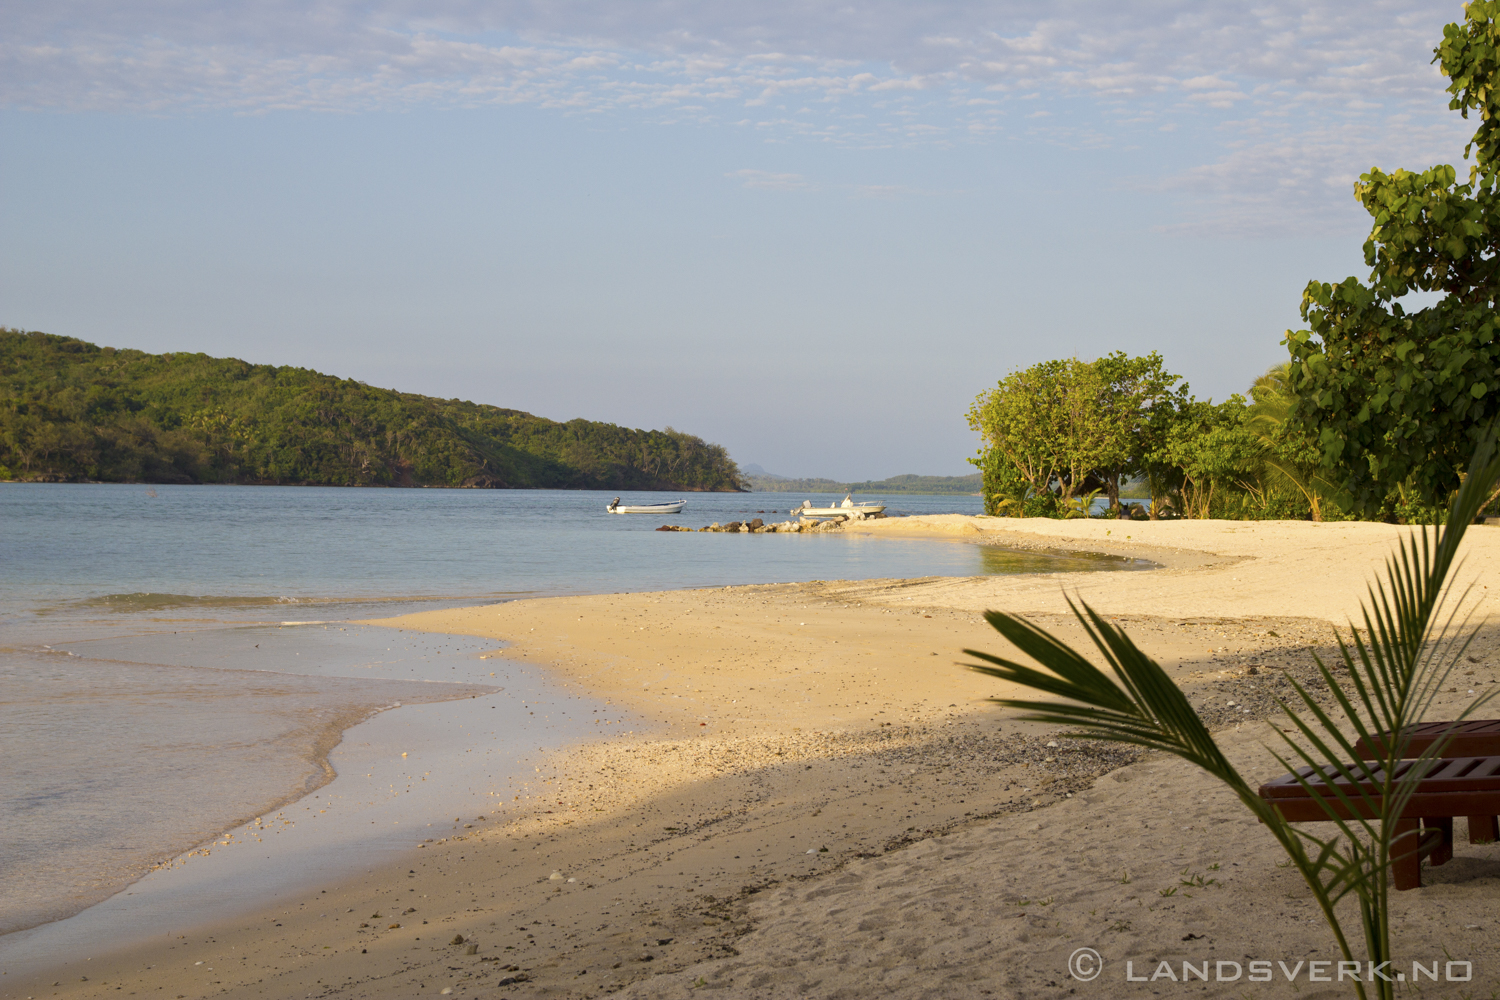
864,508
648,508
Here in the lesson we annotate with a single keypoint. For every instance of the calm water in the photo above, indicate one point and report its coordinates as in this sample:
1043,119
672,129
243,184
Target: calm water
176,663
80,550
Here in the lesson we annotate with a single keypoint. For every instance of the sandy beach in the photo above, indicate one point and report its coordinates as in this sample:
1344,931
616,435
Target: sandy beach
797,790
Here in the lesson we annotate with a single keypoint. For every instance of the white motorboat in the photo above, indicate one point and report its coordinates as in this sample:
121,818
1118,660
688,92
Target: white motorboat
846,509
675,507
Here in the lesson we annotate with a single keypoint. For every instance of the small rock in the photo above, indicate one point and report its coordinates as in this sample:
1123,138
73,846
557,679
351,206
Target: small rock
556,876
457,939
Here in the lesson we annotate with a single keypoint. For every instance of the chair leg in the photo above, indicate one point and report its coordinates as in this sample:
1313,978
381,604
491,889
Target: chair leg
1406,854
1442,852
1483,830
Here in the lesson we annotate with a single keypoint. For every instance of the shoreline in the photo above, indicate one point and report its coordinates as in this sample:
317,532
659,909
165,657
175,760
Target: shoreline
320,730
854,739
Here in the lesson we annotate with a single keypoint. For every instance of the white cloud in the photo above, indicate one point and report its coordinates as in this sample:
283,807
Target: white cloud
1284,183
767,181
1278,90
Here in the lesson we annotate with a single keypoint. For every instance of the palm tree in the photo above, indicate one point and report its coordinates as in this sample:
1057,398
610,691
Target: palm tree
1394,667
1271,401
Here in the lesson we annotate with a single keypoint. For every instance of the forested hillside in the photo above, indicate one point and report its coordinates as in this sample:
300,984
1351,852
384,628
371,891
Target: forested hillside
936,485
70,410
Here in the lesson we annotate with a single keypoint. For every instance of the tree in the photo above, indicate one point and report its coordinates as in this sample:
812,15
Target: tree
1135,387
1061,429
1016,420
1395,399
1044,423
1288,454
1203,449
1004,489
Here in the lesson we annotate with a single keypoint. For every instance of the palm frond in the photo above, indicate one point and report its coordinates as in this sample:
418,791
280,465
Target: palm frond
1389,673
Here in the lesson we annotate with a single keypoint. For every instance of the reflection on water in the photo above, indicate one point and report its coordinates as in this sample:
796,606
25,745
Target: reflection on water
996,561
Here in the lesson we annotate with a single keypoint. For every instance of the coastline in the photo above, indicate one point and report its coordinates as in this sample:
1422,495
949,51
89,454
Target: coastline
833,715
286,726
271,750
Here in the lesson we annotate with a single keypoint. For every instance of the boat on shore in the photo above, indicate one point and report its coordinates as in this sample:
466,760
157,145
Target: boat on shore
673,507
846,509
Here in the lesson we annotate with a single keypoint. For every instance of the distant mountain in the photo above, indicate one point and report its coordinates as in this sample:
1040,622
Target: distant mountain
70,410
764,482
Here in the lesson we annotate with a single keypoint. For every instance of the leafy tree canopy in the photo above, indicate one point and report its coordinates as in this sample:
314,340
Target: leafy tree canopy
1395,398
1067,427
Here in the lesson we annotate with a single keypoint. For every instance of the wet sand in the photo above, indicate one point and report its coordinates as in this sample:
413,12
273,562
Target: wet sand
824,804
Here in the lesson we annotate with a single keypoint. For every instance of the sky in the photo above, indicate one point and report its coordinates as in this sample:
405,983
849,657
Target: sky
811,232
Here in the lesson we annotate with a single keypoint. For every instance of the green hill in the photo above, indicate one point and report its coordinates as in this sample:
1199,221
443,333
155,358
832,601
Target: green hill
70,410
767,483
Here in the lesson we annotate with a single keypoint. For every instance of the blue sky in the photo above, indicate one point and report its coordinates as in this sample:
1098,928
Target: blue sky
811,232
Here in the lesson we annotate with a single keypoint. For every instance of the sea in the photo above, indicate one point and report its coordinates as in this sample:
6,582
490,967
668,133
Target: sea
192,724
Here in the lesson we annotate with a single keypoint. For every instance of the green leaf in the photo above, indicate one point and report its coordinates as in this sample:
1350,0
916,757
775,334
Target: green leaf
1388,678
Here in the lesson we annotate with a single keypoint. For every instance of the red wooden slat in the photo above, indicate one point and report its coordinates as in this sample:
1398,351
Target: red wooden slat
1452,774
1452,786
1469,738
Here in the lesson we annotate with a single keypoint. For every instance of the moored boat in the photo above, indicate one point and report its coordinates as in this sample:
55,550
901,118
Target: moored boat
674,507
846,509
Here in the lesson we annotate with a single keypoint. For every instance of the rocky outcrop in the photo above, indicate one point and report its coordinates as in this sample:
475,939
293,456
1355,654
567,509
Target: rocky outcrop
755,526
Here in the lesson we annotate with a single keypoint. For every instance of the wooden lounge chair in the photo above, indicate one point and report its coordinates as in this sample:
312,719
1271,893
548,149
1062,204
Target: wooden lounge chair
1453,786
1470,738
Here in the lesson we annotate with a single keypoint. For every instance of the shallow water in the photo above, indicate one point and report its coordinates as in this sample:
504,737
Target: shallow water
178,661
190,551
